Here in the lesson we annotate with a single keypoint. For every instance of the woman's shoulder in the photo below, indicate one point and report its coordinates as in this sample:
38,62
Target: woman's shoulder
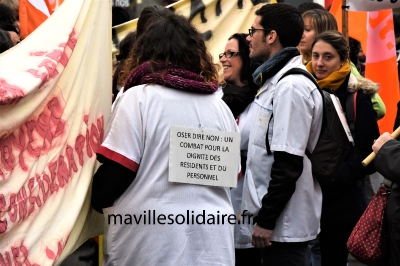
364,85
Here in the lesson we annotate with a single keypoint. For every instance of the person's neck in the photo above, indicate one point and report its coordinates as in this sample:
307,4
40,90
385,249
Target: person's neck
305,57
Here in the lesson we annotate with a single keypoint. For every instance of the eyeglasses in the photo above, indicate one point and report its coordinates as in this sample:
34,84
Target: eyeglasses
228,54
251,31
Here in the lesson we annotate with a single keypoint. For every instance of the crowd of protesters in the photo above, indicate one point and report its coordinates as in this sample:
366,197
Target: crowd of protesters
297,219
164,77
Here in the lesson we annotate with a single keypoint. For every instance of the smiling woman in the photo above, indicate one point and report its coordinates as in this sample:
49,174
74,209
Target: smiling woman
239,91
238,87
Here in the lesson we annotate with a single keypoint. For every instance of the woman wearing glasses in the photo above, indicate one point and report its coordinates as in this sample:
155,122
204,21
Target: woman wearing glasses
239,91
238,86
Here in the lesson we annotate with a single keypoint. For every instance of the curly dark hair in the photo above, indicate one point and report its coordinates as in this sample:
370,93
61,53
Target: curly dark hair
172,40
148,15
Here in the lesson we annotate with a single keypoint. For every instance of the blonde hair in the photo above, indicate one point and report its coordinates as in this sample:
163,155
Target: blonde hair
321,21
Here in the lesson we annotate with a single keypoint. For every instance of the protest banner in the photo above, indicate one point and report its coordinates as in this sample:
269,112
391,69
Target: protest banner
55,100
216,20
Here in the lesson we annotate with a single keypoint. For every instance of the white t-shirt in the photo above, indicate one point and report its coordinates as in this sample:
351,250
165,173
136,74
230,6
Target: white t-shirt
138,138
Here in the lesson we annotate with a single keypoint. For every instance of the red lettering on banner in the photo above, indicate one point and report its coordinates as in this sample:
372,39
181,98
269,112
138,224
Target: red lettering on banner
45,193
9,93
19,143
56,111
16,207
42,127
33,199
53,173
59,56
88,148
94,138
79,144
15,252
35,152
12,213
3,223
62,173
38,53
7,157
71,160
51,255
71,41
50,67
21,199
6,261
100,127
19,256
24,251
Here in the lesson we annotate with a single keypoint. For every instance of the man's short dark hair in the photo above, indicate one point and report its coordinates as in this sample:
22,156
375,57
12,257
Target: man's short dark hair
285,19
309,6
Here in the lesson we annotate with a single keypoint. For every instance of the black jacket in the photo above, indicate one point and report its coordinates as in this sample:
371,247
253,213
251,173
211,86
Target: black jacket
387,164
238,98
344,199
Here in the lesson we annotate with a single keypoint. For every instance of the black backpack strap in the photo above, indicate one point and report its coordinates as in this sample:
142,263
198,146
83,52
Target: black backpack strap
300,71
292,71
351,104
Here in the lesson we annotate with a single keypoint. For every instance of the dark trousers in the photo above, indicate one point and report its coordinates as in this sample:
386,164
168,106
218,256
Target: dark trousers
248,256
285,254
333,244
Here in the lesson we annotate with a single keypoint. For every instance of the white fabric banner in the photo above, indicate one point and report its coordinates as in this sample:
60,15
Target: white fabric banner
372,5
55,98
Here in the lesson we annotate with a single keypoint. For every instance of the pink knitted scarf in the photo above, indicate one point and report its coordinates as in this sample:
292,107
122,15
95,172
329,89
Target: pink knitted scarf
171,76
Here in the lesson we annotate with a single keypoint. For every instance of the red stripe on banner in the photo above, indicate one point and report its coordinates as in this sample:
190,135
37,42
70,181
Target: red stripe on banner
116,157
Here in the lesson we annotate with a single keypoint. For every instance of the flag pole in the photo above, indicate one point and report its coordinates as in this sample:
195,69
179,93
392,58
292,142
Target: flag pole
345,21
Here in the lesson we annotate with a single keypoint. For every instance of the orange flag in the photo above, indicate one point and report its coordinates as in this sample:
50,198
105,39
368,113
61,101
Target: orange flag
375,32
53,4
31,14
381,63
357,23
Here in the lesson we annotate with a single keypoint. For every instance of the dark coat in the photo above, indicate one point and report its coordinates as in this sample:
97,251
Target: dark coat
387,164
344,199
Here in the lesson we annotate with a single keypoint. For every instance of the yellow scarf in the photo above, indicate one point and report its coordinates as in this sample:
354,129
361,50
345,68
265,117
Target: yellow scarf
335,79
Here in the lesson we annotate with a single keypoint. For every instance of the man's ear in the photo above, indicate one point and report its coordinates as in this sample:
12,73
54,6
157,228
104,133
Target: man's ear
272,36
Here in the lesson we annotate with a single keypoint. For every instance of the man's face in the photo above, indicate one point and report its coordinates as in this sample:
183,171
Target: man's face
258,47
